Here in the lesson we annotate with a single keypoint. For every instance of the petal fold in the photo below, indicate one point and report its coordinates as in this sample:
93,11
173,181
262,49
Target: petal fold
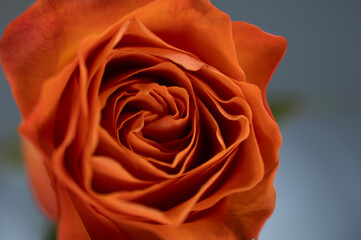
258,53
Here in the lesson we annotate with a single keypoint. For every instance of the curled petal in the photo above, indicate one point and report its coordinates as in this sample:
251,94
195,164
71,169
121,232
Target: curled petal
258,54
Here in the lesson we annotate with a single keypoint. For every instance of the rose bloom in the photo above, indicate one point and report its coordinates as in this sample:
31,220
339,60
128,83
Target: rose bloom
145,119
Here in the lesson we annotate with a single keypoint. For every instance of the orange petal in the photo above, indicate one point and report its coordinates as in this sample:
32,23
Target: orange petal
210,225
258,53
44,38
248,211
266,129
70,225
195,26
40,179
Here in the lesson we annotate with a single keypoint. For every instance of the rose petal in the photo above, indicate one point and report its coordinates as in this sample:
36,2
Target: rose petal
70,225
210,225
258,54
40,180
266,129
44,38
244,170
249,210
137,167
109,176
210,38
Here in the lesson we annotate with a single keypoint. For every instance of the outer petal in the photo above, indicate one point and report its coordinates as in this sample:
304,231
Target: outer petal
249,210
38,43
258,53
266,129
195,26
40,179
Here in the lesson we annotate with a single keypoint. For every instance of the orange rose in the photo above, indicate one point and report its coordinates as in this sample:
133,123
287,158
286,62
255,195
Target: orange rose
145,119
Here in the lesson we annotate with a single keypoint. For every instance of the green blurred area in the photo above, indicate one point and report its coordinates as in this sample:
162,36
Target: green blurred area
51,232
284,106
10,151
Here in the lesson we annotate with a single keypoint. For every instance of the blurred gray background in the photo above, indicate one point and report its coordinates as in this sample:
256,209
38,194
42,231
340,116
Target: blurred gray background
316,93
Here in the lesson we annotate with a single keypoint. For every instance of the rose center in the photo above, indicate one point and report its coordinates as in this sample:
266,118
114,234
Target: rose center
150,119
